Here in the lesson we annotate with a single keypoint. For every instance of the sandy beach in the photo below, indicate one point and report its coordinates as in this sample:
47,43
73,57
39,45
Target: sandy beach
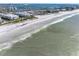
12,33
8,27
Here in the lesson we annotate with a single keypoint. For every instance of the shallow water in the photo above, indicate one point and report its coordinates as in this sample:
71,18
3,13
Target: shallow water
58,39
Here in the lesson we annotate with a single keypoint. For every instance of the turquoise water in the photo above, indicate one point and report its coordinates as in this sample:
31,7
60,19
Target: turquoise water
56,40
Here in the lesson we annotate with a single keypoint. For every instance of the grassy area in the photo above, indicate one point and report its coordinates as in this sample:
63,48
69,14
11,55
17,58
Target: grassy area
22,19
16,20
29,17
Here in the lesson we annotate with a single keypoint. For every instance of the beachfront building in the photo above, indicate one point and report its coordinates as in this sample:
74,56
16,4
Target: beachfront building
62,9
2,14
9,16
53,10
67,9
23,14
1,20
38,12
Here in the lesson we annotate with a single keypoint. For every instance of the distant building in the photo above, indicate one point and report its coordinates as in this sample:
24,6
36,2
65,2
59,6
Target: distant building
53,10
1,14
67,9
23,14
1,20
38,12
9,16
63,9
12,8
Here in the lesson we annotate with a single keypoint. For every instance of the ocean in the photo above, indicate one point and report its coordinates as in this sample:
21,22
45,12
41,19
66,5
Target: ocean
32,6
60,39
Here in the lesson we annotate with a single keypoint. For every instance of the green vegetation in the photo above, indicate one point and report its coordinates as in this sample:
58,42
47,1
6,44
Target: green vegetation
29,17
16,20
21,19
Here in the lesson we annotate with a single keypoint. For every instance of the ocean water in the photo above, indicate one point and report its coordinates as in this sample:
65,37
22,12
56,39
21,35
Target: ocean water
37,6
61,39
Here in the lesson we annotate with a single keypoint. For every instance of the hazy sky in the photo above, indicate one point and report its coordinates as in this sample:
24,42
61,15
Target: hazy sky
39,1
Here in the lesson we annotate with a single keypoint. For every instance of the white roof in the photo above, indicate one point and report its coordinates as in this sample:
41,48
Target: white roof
8,15
23,13
1,14
11,15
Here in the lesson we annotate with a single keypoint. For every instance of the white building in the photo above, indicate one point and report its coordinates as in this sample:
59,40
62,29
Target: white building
9,16
1,20
1,14
23,14
38,12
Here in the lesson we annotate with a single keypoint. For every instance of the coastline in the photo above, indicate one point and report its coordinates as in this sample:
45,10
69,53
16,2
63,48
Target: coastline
22,25
8,27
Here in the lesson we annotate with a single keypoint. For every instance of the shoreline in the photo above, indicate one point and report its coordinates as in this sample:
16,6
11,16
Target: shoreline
9,44
8,27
